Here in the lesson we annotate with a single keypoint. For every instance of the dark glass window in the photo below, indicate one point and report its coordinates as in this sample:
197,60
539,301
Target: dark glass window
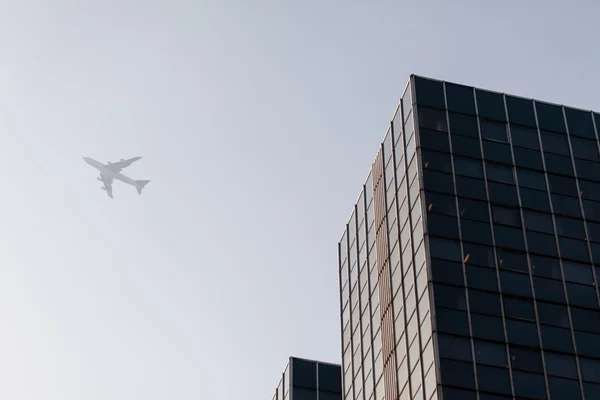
471,188
588,344
468,167
564,205
455,348
590,369
464,125
578,273
589,190
438,181
550,117
545,266
557,339
564,388
515,284
460,98
593,230
580,124
528,158
525,359
429,93
472,209
519,309
592,210
534,199
500,173
479,255
498,152
434,140
484,302
457,373
330,378
442,225
430,118
587,169
452,321
501,193
549,289
490,105
591,390
559,164
457,394
586,149
304,394
449,297
538,222
553,314
481,278
510,238
476,232
573,249
570,227
582,296
513,261
562,185
531,179
488,328
540,243
556,143
464,146
493,130
305,373
445,271
506,216
440,203
529,385
436,161
520,111
445,249
524,137
492,379
522,333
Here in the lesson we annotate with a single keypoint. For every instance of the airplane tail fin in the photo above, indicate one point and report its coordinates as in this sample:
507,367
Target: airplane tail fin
139,185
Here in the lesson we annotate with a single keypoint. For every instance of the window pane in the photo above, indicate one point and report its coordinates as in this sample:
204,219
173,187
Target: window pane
519,309
479,255
564,388
511,238
438,181
493,130
515,284
501,193
460,98
506,216
455,348
531,179
436,161
520,111
557,339
449,297
476,232
470,187
553,314
484,303
580,123
560,365
500,173
493,379
556,143
522,333
464,146
525,359
534,199
457,373
464,125
452,321
550,117
429,93
489,353
468,167
561,165
565,205
440,203
587,169
487,327
432,119
562,185
545,266
524,137
498,152
578,273
529,385
585,149
528,158
445,249
473,210
539,222
447,272
549,289
490,105
481,278
510,260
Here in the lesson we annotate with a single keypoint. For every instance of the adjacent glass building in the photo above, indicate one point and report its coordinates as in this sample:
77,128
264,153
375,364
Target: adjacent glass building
309,380
468,266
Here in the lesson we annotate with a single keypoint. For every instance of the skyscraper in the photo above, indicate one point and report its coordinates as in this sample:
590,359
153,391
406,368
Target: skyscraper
309,380
468,265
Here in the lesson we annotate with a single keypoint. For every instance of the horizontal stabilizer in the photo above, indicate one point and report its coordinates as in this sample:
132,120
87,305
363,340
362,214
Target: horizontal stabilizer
139,185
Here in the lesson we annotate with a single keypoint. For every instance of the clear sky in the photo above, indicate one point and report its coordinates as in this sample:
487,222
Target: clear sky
258,122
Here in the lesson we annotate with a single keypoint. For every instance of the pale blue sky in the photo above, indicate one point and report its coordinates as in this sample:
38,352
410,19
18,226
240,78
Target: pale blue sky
258,122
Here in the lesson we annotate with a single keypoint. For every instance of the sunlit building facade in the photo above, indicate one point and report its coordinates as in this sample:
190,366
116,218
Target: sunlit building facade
309,380
467,267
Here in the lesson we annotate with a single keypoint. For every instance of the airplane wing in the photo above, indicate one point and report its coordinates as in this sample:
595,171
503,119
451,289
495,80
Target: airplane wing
118,166
107,184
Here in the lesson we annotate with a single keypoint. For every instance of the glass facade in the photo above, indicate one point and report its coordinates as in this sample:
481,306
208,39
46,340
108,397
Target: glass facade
309,380
468,266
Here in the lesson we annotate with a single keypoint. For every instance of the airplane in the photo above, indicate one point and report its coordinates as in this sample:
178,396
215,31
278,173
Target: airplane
112,171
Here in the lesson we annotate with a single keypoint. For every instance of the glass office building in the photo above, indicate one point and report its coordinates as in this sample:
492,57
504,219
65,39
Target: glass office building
468,265
309,380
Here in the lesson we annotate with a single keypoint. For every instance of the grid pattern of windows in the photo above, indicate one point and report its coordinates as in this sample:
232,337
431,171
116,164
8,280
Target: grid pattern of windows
309,380
387,346
511,192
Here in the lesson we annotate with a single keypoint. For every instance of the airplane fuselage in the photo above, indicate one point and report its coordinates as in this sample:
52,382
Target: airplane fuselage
107,172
